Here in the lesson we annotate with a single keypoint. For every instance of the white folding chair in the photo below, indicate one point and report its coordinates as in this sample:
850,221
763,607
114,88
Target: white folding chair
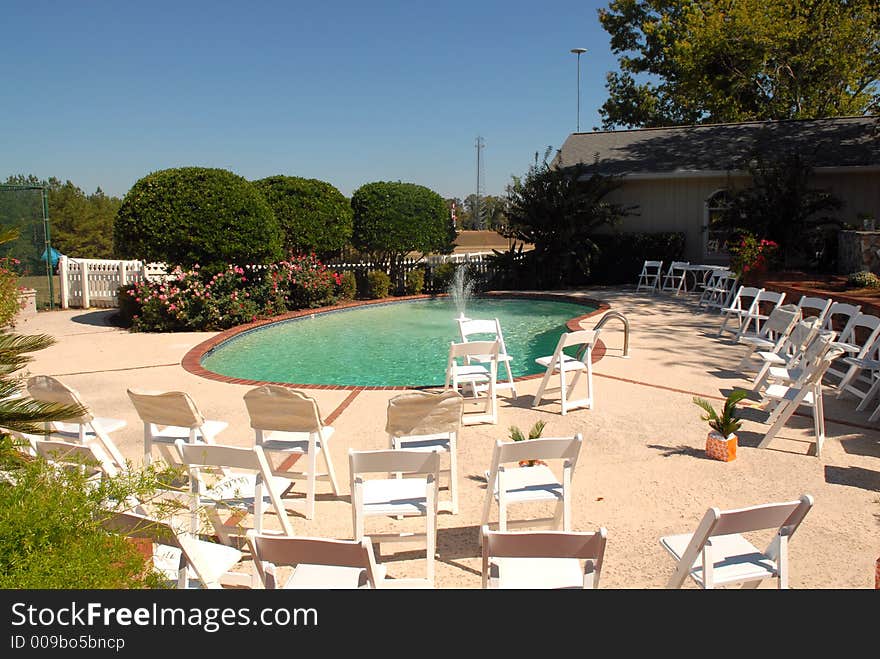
413,495
317,562
650,276
169,416
805,389
476,378
719,290
742,306
181,557
428,421
772,335
765,302
561,363
232,480
84,429
859,342
789,353
490,330
542,559
288,426
673,280
529,484
717,554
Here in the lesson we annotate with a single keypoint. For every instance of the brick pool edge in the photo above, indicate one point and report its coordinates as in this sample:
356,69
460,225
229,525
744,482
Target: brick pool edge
192,360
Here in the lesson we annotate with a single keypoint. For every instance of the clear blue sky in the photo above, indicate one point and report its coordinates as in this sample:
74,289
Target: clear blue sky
102,93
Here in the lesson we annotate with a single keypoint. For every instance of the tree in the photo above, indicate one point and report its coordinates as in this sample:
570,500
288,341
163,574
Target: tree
781,205
686,62
392,219
314,216
558,209
196,215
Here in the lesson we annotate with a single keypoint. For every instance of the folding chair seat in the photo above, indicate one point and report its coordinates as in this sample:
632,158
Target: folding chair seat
773,334
84,429
232,480
415,494
717,554
183,558
317,562
288,426
542,559
743,305
508,485
428,421
478,379
489,330
169,416
790,352
673,280
560,363
650,276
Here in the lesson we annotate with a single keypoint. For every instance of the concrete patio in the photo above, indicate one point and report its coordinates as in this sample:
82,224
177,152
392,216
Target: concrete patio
642,472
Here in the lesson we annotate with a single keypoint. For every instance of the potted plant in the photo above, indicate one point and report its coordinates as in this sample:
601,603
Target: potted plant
517,436
721,441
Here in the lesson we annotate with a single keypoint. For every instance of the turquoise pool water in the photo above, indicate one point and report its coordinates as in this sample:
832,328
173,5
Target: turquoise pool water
398,344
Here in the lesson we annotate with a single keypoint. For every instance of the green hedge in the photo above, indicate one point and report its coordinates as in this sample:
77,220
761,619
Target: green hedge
195,215
378,284
622,255
313,215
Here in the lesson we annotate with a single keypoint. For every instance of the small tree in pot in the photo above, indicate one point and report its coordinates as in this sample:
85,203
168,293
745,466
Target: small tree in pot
721,441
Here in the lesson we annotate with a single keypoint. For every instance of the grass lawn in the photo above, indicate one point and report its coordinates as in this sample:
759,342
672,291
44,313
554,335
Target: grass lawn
41,284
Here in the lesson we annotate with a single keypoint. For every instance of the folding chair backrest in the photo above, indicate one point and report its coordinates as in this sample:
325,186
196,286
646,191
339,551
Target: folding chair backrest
292,551
273,407
862,331
47,389
768,300
781,320
545,544
767,516
76,456
576,338
477,326
168,408
839,317
218,455
395,460
820,305
543,448
473,349
802,333
424,413
139,526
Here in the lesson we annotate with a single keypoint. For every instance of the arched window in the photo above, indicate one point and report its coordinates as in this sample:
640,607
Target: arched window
715,236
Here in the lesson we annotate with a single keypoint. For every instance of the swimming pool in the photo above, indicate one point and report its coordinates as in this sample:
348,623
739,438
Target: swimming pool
398,344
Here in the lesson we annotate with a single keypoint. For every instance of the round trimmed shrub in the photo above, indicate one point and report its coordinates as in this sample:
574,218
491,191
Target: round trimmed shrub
443,274
196,215
378,284
863,279
313,215
415,282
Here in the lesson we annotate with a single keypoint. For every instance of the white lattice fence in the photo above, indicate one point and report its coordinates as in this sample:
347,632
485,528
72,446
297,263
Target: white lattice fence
94,282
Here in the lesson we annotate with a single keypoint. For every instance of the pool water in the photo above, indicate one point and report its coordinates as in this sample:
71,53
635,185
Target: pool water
397,344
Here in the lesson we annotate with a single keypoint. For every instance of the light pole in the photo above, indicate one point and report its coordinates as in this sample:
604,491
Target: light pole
578,52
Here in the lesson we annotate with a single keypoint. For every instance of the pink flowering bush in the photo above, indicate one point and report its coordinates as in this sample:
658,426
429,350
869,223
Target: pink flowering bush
193,300
749,255
9,290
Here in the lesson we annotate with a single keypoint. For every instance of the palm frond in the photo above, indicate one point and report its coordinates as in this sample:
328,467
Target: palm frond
536,430
30,416
516,434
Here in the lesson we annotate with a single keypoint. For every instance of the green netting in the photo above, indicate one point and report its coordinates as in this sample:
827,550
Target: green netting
22,207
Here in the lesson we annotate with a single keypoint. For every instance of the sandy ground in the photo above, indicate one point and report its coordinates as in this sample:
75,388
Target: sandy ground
642,472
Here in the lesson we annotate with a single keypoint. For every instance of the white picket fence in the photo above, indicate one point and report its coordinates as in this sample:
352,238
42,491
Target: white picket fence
94,282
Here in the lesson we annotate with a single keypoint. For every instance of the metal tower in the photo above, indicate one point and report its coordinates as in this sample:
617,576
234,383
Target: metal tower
479,220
